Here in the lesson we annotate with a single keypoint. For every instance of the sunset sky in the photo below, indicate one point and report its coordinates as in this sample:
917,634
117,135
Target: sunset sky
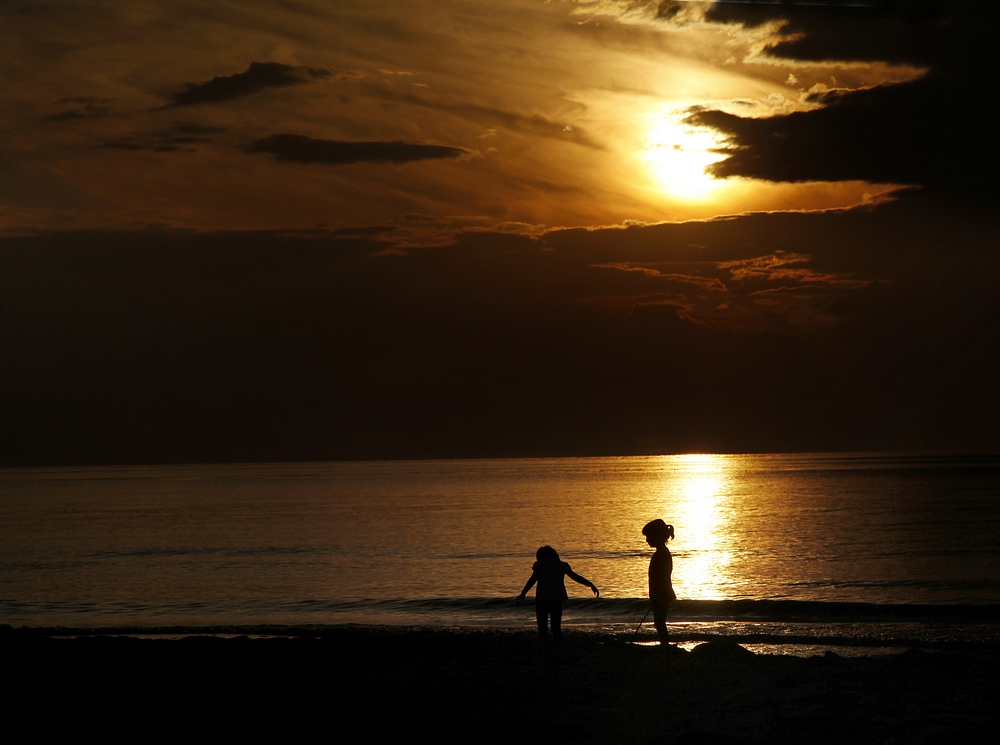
311,230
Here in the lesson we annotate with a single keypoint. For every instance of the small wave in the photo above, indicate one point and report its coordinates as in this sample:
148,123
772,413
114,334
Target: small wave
682,610
762,622
817,611
608,609
157,552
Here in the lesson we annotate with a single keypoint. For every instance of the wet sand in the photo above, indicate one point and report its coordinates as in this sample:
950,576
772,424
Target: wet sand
373,683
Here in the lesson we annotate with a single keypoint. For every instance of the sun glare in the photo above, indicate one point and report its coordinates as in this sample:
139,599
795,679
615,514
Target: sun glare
678,154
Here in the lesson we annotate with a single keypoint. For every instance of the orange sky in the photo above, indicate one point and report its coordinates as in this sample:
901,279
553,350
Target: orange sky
392,229
569,114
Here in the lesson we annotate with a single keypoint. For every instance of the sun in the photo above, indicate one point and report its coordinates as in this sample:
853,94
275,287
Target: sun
678,154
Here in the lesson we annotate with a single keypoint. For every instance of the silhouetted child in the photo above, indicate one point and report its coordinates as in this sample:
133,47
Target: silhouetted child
661,566
548,571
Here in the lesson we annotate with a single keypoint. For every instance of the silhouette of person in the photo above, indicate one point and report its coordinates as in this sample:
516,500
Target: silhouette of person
548,571
661,566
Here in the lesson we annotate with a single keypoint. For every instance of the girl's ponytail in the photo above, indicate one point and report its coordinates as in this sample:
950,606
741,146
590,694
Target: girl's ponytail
658,530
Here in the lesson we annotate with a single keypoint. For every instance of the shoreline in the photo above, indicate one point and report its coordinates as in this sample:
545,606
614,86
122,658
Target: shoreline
645,635
469,686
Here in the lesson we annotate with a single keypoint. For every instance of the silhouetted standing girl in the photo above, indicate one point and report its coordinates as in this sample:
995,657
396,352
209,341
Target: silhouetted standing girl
548,571
661,566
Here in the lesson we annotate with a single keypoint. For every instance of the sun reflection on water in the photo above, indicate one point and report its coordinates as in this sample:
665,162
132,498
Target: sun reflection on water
696,501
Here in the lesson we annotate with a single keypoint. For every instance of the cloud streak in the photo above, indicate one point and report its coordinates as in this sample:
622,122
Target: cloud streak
534,124
712,284
81,107
302,149
258,77
182,136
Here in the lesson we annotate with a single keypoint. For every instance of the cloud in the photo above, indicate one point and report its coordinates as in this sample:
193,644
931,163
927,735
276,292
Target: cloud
182,136
712,284
888,30
934,131
891,134
81,108
774,267
729,293
535,124
257,346
761,266
671,12
366,231
302,149
258,76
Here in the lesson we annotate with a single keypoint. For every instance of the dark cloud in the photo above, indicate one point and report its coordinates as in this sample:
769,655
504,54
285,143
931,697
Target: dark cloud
900,31
935,132
259,75
195,130
303,149
374,230
882,135
81,108
859,330
181,137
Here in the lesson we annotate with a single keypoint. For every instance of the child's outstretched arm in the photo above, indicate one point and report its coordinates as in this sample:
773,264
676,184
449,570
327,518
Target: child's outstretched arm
583,581
531,583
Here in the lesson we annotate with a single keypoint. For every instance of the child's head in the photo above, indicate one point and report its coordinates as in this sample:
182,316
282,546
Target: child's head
546,552
657,532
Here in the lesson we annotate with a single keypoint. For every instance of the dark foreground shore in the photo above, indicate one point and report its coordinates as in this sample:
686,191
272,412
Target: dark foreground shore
370,684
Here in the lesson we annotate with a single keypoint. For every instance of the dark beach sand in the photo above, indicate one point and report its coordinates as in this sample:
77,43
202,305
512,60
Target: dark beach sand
370,684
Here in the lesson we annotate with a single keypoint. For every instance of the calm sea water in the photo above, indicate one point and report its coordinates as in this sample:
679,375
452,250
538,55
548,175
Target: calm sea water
775,547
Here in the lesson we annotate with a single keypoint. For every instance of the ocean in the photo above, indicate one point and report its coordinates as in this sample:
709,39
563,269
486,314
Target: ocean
781,552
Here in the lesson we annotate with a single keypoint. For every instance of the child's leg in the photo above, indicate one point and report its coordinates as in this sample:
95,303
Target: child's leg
556,610
660,619
542,617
